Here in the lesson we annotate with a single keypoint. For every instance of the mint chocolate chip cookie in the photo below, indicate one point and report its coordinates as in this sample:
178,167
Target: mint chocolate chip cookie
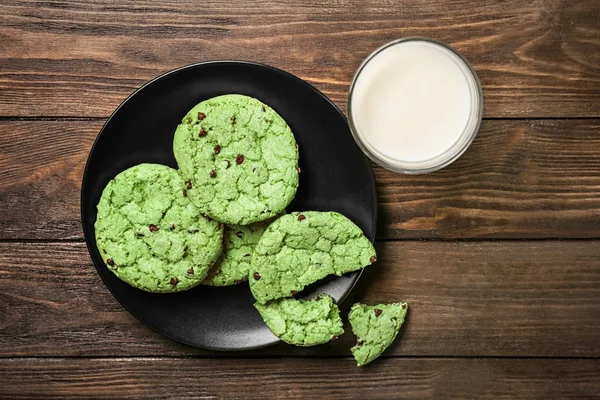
238,158
303,322
303,247
376,327
238,245
150,235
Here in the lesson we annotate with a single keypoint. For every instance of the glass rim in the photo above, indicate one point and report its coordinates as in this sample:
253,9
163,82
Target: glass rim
449,155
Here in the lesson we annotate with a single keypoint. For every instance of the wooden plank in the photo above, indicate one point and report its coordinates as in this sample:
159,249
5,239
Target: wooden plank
507,298
520,179
72,58
403,378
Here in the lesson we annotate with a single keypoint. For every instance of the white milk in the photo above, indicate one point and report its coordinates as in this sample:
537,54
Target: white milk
412,101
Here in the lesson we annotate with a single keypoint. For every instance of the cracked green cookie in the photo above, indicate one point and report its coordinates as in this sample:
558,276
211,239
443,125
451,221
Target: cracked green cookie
150,235
238,244
238,158
376,327
303,322
301,248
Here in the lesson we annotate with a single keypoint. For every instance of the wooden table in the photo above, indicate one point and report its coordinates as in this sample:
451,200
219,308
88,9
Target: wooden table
498,254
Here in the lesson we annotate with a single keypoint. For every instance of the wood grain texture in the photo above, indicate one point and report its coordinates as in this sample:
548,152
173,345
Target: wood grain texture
509,298
519,179
300,379
535,58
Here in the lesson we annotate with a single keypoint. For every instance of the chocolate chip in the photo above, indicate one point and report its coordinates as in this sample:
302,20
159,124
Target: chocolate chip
268,121
153,228
172,226
256,276
213,173
110,261
104,251
188,184
139,234
378,312
298,169
228,164
253,169
217,149
202,132
239,159
293,292
174,281
184,193
201,116
247,255
301,217
233,121
190,271
404,306
373,259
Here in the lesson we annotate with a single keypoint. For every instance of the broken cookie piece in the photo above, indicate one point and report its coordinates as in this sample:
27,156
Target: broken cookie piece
375,327
303,322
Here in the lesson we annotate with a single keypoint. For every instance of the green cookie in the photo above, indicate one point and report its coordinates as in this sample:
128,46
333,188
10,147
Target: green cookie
239,159
303,322
233,265
301,248
376,327
149,233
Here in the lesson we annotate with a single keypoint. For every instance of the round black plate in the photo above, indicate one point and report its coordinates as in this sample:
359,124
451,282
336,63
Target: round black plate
335,176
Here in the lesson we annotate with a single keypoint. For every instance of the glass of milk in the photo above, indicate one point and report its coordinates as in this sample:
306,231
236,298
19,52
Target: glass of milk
415,105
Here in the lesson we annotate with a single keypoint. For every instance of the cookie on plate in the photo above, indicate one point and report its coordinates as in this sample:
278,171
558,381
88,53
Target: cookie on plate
303,322
376,327
238,244
150,235
303,247
238,158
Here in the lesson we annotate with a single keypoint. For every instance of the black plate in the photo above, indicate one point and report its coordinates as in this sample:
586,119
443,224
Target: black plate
335,176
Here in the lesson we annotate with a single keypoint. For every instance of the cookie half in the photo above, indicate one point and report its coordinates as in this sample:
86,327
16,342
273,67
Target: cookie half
150,235
238,158
303,322
303,247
